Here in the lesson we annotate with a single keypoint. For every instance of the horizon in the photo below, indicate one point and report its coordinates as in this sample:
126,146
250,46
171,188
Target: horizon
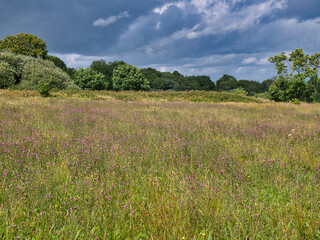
213,38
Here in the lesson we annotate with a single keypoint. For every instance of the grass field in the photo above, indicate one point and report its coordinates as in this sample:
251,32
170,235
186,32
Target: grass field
73,167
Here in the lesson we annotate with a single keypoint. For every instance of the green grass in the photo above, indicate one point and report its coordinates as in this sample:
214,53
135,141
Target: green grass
75,167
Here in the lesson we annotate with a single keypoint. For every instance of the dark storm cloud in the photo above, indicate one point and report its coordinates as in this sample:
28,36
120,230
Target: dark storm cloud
193,36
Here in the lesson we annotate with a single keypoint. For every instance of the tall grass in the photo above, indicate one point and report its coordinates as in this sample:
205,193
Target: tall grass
108,169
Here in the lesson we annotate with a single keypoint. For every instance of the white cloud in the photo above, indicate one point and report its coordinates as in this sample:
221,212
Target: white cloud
101,22
219,17
216,17
263,61
165,7
77,60
249,60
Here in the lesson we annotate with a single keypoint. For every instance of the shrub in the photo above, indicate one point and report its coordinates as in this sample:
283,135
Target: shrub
44,89
37,69
128,77
7,75
87,78
295,101
28,71
240,91
16,62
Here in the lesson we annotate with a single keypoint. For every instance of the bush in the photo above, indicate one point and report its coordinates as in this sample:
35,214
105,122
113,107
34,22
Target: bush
87,78
28,71
7,75
16,62
240,91
38,69
295,101
44,89
128,77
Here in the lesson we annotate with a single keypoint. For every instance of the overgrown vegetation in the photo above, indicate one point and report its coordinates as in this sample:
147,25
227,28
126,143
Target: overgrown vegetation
74,168
25,72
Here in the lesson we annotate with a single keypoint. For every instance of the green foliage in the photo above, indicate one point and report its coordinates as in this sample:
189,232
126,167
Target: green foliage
297,76
87,78
251,87
128,77
241,91
36,70
7,75
16,61
295,101
25,44
57,62
264,86
44,89
176,81
278,89
24,72
226,83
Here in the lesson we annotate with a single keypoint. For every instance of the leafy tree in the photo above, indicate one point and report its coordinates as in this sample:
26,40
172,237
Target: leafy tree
128,77
278,89
204,83
264,86
300,73
106,69
251,87
25,44
87,78
226,83
7,75
57,62
28,71
36,69
16,61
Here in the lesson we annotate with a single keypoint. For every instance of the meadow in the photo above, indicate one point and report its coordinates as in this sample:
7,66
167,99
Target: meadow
87,167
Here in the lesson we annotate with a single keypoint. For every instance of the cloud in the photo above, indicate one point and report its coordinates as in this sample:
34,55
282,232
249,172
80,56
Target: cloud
164,8
194,24
249,60
107,21
221,17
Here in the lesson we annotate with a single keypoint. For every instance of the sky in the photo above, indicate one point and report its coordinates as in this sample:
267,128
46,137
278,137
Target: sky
194,37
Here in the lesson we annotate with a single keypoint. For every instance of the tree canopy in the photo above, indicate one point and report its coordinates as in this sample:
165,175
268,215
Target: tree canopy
87,78
25,44
128,77
297,77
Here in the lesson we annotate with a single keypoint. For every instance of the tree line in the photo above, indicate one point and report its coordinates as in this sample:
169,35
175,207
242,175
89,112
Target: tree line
25,64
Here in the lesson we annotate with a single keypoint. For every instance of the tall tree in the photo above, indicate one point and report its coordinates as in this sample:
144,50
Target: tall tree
297,76
25,44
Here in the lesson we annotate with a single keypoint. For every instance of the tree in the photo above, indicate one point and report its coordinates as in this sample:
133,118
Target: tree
128,77
25,44
57,62
226,83
7,75
36,69
205,83
264,86
87,78
278,89
297,76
